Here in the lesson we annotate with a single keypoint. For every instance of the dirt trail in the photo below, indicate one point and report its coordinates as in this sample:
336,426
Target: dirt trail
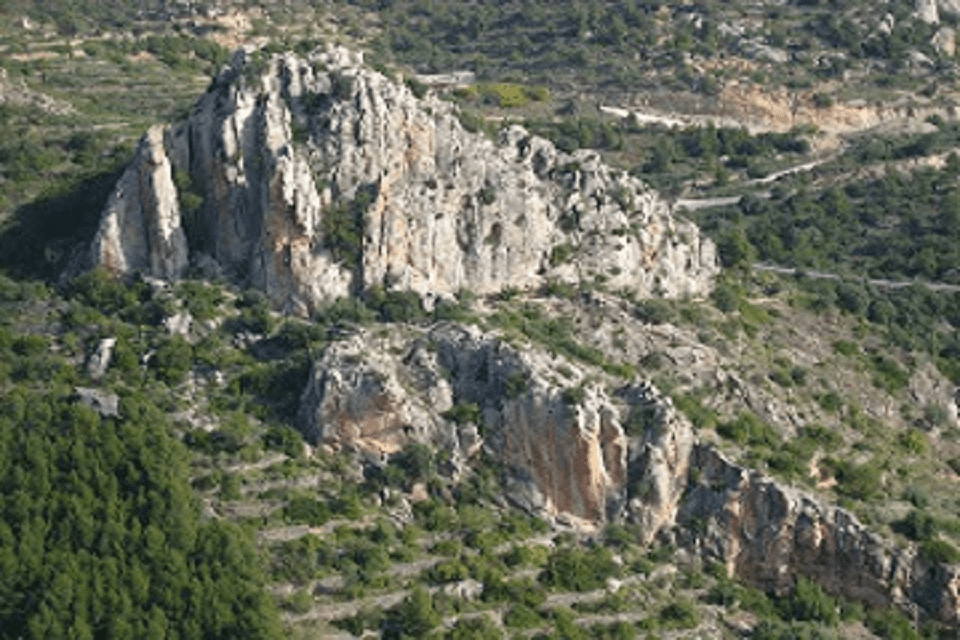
882,283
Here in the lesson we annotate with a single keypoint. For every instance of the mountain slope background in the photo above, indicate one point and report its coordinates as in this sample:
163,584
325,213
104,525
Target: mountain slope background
838,385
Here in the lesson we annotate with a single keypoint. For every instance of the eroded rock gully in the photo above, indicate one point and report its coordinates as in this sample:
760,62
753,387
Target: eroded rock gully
314,178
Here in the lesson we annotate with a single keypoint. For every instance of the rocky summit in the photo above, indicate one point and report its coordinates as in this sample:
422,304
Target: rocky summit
313,178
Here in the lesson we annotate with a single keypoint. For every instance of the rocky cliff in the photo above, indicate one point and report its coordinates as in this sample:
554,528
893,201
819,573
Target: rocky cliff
558,435
575,451
768,533
140,229
314,177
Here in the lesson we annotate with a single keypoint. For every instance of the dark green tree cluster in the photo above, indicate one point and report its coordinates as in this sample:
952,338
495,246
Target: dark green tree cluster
78,16
899,226
100,537
538,38
574,569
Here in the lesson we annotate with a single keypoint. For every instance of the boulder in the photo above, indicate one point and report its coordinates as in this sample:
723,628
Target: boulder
104,403
100,359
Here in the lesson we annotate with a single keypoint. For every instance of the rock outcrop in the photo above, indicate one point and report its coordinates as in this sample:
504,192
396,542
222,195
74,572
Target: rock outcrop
140,228
768,533
562,446
570,451
315,177
926,10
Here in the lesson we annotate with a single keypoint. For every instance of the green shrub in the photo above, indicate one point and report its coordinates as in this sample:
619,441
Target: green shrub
574,396
255,315
342,228
891,624
889,374
939,551
306,510
415,617
655,311
727,297
434,516
846,348
573,569
861,482
757,602
395,306
346,309
201,300
464,412
300,602
699,414
505,95
284,439
173,359
808,601
230,487
515,385
681,614
747,428
561,253
211,442
918,525
830,401
826,438
724,593
520,616
449,571
478,628
418,88
642,418
913,441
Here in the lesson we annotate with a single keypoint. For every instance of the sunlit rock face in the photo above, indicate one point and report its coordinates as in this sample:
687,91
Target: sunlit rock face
768,533
314,177
140,227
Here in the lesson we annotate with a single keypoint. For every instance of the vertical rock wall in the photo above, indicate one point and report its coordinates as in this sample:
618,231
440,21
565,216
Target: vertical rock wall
140,227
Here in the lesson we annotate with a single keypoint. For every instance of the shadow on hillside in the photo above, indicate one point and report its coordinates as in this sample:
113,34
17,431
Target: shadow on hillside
41,235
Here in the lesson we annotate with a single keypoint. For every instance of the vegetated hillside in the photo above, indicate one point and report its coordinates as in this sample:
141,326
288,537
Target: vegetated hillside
347,544
838,387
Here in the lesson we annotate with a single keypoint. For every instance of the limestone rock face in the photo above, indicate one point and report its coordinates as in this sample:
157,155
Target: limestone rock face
768,533
100,359
140,228
320,178
945,41
660,461
951,7
358,398
564,452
